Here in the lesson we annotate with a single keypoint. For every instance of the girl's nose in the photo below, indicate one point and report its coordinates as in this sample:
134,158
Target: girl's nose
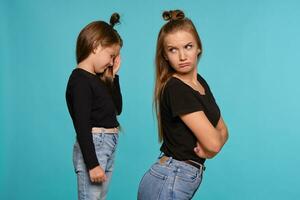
182,55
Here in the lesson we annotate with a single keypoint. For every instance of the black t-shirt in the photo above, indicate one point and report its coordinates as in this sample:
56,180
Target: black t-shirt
177,99
91,103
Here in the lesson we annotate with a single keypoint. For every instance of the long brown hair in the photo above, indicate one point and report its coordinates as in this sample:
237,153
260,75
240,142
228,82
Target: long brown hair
176,22
95,33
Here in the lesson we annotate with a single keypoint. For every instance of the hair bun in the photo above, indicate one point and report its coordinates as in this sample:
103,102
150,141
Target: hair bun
173,15
114,19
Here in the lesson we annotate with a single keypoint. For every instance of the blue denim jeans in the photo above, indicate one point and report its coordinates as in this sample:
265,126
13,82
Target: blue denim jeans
105,146
171,180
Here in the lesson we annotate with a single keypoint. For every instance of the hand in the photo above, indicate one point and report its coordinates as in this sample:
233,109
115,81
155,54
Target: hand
117,64
202,153
97,175
199,151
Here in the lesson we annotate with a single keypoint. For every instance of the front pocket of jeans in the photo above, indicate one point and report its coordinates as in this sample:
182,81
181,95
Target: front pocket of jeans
97,140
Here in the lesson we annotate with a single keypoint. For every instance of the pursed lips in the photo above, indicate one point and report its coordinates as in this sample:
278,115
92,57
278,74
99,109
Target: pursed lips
184,64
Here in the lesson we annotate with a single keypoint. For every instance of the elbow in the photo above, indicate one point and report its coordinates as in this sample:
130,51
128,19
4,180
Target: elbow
211,155
215,148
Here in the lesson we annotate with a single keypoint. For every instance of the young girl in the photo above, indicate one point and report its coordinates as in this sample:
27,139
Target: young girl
94,100
189,120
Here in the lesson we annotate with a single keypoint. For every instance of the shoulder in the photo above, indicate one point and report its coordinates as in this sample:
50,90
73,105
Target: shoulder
79,74
174,84
84,76
175,88
79,81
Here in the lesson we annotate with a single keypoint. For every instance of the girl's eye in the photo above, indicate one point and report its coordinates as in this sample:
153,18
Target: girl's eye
173,50
189,46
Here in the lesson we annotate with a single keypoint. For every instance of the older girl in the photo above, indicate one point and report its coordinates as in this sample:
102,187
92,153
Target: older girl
189,121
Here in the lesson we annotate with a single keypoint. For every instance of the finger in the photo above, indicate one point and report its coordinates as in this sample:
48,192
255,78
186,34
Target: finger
116,65
102,178
117,60
96,180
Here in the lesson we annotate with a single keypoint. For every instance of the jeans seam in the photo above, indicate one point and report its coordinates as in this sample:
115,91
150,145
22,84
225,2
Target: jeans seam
85,187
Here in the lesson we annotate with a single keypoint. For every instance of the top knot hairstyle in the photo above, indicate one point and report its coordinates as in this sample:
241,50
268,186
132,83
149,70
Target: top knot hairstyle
96,33
176,21
114,19
173,15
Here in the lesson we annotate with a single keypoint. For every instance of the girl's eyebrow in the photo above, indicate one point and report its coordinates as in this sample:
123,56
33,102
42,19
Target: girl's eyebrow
171,46
188,43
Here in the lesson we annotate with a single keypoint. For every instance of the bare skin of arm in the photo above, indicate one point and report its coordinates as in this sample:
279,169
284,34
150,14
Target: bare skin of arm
210,139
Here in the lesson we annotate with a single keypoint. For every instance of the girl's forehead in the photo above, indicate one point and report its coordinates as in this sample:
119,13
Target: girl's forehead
114,48
179,37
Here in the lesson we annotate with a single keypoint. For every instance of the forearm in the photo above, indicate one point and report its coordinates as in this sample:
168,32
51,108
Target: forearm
211,137
209,154
223,137
202,152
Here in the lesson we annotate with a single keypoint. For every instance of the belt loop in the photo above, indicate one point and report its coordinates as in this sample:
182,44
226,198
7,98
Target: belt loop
169,160
161,155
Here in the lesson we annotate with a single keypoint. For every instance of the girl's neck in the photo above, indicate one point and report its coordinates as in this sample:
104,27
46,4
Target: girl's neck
85,65
189,77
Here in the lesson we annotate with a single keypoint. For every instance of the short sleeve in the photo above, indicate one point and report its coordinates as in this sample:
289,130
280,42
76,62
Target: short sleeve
181,99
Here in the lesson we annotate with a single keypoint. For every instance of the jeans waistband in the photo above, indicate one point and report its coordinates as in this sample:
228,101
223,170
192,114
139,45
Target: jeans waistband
163,159
97,130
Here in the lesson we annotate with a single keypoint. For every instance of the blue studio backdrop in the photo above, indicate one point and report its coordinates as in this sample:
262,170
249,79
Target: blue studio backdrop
250,59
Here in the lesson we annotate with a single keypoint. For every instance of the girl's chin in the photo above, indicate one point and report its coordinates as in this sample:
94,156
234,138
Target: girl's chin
184,70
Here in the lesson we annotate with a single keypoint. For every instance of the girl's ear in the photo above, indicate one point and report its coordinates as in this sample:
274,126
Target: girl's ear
199,51
97,48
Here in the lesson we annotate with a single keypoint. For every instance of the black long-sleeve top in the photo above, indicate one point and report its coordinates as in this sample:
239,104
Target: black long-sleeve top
92,103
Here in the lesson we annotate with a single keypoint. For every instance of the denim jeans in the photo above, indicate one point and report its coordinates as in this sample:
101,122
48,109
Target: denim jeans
171,180
105,146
